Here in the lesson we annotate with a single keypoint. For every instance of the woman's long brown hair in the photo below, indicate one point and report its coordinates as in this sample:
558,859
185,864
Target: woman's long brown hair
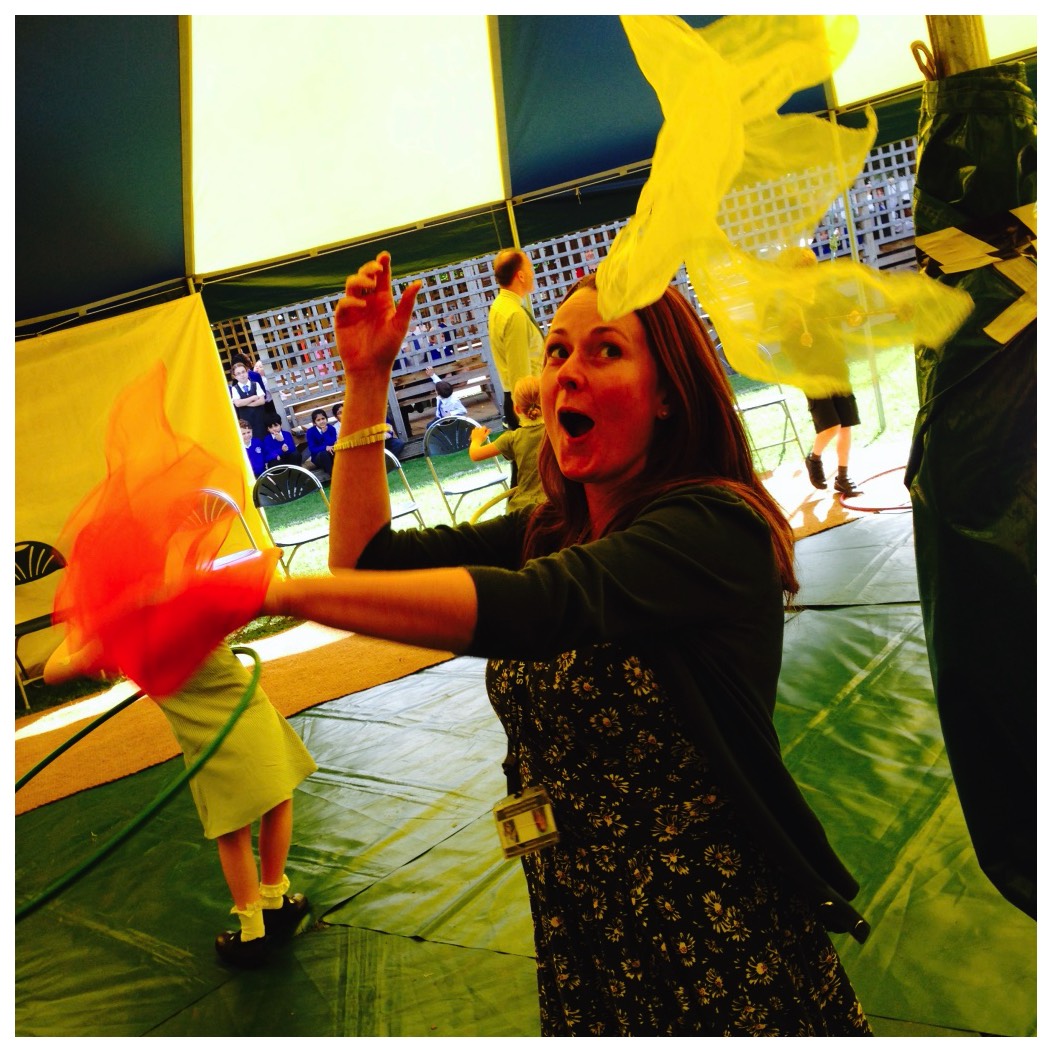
701,442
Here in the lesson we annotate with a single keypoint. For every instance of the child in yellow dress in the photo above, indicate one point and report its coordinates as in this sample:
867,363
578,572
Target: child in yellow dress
251,776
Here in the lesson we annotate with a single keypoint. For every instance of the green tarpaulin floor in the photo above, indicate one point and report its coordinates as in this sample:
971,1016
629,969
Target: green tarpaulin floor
421,929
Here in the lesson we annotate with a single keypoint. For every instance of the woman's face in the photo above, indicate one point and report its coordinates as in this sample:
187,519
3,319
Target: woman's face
600,396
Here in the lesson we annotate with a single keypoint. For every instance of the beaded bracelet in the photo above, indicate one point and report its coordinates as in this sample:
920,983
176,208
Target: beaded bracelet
365,437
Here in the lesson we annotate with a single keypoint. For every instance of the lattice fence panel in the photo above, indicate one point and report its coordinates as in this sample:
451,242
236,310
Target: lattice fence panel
450,335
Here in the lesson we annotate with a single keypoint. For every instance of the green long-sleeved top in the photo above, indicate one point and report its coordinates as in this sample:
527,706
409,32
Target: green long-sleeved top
692,584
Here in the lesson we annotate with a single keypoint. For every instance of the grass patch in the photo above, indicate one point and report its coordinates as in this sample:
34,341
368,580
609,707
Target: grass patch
262,628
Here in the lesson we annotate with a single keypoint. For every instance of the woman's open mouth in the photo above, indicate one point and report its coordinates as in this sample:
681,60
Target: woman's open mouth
575,424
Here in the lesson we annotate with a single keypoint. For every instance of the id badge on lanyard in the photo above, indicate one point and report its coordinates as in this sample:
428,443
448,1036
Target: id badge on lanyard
525,822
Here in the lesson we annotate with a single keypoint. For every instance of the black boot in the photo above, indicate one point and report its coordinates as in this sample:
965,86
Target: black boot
844,486
815,471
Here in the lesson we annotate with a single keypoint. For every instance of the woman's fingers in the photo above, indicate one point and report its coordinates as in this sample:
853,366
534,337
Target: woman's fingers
370,279
359,287
368,308
382,264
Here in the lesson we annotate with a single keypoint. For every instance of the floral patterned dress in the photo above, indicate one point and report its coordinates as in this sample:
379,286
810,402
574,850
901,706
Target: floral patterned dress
656,913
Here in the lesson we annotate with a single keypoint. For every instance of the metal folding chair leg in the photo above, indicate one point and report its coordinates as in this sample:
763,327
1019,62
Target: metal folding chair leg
788,424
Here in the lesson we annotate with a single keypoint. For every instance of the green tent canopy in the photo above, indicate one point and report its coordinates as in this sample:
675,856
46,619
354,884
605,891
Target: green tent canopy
253,156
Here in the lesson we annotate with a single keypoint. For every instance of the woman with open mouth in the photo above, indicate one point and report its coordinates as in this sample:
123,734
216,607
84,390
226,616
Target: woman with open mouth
679,882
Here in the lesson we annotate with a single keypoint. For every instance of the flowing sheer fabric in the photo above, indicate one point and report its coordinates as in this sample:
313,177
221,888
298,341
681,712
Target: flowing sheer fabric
720,88
142,587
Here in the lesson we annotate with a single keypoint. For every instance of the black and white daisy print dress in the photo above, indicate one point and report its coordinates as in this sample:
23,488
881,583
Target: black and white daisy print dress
656,913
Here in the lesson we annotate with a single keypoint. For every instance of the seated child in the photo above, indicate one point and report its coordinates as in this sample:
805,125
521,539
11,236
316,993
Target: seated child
394,443
519,446
446,403
279,447
320,440
253,447
251,776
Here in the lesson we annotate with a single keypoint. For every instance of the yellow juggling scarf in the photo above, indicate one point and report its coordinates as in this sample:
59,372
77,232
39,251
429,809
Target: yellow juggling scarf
779,318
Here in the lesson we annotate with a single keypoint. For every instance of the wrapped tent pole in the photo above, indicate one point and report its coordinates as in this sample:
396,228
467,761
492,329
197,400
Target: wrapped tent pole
972,472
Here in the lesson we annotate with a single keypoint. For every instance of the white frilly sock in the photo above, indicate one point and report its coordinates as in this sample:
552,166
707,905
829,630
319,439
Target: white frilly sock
251,918
272,896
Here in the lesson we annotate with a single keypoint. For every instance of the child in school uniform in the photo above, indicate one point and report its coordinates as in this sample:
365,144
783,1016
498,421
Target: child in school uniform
320,440
253,447
279,447
446,402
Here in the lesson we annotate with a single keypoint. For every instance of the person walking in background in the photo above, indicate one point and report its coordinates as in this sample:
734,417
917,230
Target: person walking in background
515,340
833,418
813,341
520,446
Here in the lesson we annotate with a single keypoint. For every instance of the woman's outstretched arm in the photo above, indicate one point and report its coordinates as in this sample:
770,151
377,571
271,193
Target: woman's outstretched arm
428,608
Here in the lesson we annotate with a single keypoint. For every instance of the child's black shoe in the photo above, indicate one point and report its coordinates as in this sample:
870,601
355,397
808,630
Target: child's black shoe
282,923
232,950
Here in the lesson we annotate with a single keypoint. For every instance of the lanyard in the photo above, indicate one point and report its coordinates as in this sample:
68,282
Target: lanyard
510,764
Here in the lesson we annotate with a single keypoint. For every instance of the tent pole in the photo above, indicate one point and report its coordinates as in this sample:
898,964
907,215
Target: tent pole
958,43
186,135
493,31
511,220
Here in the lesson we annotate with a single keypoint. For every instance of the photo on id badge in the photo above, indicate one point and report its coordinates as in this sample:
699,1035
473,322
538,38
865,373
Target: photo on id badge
525,822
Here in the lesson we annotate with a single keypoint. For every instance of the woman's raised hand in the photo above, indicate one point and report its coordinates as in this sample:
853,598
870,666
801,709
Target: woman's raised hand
370,327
